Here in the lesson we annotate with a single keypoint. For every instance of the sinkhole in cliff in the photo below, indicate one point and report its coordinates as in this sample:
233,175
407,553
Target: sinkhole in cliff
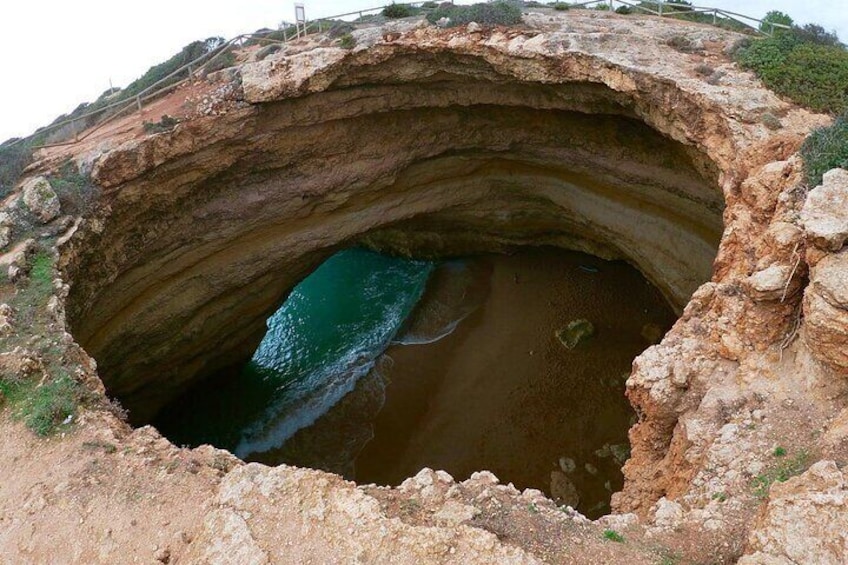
376,366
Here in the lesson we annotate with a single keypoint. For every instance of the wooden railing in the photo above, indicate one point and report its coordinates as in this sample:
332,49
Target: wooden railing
192,68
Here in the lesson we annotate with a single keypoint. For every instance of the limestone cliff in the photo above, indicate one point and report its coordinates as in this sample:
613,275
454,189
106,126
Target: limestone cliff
585,130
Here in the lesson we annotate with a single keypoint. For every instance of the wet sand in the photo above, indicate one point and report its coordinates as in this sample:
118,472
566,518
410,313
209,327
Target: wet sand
502,392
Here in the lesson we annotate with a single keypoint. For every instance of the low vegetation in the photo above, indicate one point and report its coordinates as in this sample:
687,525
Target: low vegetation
394,11
487,14
43,407
612,535
807,65
684,11
46,400
825,149
75,190
166,123
347,41
79,118
14,157
784,469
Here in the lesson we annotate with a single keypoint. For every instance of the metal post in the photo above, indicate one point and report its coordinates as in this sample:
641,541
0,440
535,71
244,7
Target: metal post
138,102
659,7
715,16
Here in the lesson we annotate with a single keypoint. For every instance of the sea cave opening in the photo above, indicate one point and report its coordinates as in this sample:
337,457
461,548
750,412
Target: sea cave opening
503,223
376,366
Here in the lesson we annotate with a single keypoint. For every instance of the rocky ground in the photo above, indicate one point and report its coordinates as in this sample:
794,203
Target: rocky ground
742,439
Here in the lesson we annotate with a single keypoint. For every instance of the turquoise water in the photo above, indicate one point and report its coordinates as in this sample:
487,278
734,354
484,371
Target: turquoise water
328,334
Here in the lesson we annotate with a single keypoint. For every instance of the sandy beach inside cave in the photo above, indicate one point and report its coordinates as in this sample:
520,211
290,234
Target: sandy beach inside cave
501,392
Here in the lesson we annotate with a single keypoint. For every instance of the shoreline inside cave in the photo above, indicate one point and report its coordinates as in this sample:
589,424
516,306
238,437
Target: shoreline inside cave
477,379
504,394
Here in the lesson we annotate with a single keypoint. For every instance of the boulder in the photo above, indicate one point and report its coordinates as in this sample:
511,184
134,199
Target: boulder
826,311
41,199
825,212
575,332
805,521
563,490
772,283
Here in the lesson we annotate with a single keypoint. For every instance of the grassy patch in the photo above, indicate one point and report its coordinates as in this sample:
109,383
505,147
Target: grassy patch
41,275
45,400
612,535
825,149
347,41
787,468
487,14
802,66
720,496
44,407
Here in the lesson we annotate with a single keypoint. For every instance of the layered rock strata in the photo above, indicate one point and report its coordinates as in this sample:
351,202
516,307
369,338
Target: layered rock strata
583,130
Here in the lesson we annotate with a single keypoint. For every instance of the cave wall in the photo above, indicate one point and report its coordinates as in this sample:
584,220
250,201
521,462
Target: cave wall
200,254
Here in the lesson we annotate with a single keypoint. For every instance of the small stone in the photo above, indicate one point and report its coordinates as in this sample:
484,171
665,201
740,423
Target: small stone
575,332
567,464
667,514
162,555
7,320
474,27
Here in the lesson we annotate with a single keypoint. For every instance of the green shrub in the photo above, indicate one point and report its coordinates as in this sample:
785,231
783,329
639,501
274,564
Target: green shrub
166,123
624,10
685,13
13,160
488,14
562,6
340,29
399,11
775,17
812,73
825,149
682,43
771,121
267,51
704,70
347,41
76,192
224,61
814,33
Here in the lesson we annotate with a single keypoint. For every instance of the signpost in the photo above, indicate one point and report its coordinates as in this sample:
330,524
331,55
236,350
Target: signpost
300,18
